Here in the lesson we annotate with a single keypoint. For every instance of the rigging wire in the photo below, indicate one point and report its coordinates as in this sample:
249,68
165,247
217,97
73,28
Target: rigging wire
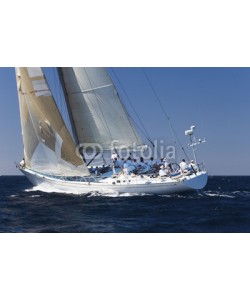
130,120
146,134
56,90
98,102
175,136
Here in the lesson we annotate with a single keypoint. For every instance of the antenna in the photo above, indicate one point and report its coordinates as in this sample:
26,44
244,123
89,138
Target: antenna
193,141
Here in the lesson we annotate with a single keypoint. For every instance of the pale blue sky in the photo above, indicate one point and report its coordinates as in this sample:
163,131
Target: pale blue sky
216,100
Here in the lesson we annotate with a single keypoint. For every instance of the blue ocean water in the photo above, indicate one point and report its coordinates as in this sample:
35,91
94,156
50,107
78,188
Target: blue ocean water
223,206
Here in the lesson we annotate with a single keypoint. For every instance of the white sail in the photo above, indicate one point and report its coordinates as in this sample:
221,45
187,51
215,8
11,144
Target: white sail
48,146
97,114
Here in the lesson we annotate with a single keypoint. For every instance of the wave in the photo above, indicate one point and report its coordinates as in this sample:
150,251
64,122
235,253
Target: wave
218,194
51,190
48,189
116,195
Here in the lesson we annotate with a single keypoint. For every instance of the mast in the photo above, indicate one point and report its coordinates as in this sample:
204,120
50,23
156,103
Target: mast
71,118
60,74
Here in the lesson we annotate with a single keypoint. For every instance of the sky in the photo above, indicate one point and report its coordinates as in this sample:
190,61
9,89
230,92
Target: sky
215,100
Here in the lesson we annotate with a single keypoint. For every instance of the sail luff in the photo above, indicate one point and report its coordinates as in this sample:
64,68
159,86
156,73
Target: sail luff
25,121
72,123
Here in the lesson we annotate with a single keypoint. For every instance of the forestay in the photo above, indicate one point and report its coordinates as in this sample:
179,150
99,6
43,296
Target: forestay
97,114
48,146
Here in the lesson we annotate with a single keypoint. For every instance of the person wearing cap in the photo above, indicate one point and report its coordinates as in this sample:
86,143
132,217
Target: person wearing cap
193,166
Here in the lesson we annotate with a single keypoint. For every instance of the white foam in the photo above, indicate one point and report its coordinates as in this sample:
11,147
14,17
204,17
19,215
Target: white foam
131,194
210,194
46,188
166,196
227,196
115,195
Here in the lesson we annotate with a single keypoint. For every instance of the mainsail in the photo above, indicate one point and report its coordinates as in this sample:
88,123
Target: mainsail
47,142
98,117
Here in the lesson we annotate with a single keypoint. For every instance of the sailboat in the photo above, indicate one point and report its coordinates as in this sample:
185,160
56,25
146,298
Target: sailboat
54,158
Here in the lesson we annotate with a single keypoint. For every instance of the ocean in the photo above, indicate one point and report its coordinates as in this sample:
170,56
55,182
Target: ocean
222,207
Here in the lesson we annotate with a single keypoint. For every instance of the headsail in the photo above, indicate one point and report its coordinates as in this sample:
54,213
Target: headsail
47,143
97,114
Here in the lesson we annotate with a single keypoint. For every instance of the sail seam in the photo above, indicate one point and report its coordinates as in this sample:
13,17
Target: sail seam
106,125
37,91
128,116
92,89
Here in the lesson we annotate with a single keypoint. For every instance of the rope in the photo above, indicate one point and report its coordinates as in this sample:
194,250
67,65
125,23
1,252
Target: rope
146,134
165,113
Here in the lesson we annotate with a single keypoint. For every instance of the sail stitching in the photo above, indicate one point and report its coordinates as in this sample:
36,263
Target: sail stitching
92,89
35,91
108,131
128,116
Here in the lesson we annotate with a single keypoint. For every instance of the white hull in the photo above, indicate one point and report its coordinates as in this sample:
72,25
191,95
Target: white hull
128,184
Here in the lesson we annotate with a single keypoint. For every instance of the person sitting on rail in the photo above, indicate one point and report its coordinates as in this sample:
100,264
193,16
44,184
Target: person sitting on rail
151,162
129,160
128,168
193,167
135,163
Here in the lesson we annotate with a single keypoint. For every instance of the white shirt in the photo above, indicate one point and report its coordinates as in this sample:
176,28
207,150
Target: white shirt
113,156
193,165
183,165
166,163
162,172
22,163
